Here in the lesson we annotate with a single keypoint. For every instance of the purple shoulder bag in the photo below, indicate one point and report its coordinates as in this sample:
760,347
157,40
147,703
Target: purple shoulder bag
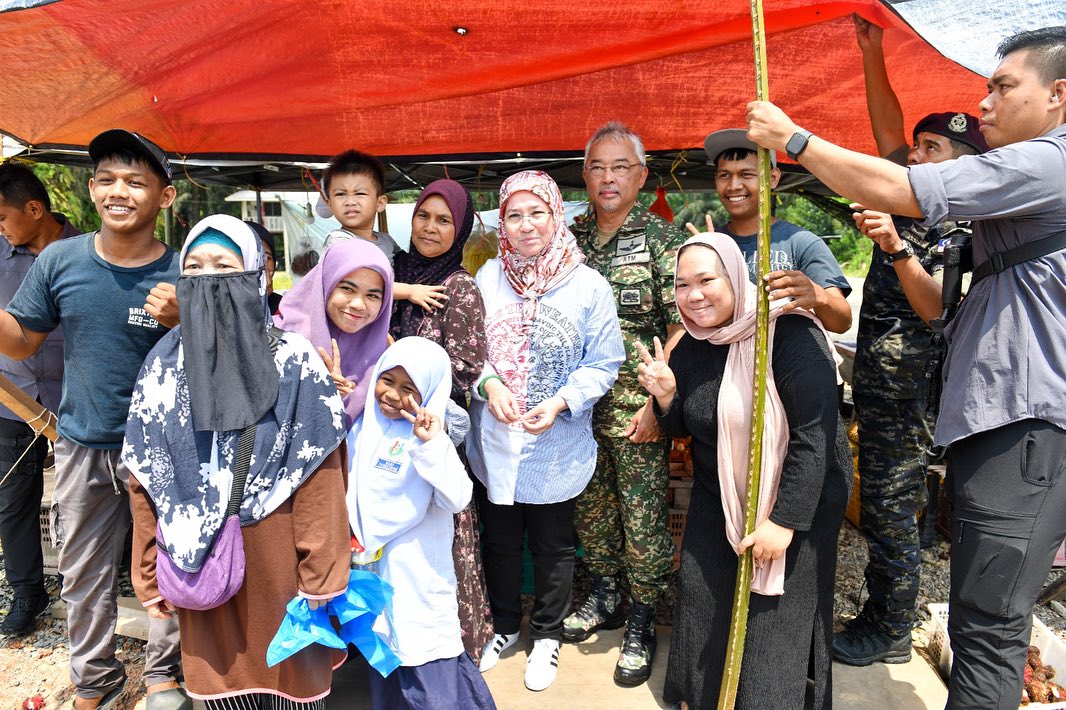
222,574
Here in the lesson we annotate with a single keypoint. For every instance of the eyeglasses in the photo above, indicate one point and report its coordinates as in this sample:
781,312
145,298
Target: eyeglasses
618,169
536,218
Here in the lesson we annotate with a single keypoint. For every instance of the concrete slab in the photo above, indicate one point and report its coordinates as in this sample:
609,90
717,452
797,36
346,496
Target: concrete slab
585,681
132,617
903,686
585,678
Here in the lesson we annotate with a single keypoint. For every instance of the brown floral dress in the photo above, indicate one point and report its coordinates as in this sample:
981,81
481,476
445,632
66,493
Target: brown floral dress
459,327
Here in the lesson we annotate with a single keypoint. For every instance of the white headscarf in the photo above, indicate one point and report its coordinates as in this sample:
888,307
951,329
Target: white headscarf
386,497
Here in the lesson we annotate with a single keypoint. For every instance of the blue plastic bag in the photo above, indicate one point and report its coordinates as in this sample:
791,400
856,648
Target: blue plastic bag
366,598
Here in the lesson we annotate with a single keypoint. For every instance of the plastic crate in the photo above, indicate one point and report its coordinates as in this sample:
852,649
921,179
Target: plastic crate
677,530
679,492
1052,649
48,549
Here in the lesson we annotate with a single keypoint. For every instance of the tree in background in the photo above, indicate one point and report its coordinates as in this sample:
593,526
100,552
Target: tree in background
69,190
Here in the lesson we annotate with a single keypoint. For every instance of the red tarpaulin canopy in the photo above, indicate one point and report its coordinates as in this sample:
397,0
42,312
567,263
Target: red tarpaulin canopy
308,78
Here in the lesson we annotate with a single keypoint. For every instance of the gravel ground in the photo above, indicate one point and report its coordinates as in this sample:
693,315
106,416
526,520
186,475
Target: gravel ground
851,561
39,663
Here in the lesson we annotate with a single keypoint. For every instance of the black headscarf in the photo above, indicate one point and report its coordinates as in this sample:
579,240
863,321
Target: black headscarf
413,268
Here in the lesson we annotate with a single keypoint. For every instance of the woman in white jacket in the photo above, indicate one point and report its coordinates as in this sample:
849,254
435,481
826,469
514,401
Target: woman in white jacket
554,348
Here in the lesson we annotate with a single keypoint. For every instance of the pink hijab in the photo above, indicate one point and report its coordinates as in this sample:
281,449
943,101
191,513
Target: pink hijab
532,277
303,310
735,406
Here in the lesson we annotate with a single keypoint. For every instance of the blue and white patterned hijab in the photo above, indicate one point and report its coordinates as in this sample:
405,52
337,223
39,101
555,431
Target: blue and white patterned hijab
189,474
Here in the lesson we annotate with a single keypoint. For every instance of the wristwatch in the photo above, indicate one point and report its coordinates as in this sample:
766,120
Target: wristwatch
903,253
797,143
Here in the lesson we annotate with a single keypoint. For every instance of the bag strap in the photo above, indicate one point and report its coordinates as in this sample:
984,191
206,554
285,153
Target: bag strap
1002,260
246,443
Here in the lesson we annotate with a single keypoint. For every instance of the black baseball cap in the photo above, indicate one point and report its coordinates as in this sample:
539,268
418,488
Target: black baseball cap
730,139
119,140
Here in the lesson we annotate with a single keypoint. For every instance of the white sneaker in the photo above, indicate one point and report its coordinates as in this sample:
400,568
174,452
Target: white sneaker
491,655
542,664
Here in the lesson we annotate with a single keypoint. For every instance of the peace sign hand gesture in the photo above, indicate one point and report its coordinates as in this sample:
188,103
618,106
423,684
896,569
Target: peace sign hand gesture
655,375
426,424
333,364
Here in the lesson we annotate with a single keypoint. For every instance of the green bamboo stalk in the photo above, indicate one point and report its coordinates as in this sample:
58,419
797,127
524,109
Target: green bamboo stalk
738,625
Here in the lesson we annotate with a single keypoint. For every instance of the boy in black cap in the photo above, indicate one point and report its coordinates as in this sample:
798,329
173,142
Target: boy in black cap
112,293
894,351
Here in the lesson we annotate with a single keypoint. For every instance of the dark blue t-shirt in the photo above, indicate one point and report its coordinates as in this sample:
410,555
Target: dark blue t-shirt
107,331
793,248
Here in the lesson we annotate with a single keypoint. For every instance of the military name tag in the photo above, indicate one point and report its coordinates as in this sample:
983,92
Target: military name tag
629,297
639,258
631,245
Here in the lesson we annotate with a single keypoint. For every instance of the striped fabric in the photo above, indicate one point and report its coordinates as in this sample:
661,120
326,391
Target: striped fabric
262,701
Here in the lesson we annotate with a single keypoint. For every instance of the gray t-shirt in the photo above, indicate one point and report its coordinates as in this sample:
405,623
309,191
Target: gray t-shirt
41,374
793,248
1006,357
106,329
383,241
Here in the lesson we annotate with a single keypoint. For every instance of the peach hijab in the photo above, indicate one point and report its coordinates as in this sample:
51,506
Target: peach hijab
735,405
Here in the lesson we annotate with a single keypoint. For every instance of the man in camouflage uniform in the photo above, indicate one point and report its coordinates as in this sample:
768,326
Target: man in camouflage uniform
622,516
895,352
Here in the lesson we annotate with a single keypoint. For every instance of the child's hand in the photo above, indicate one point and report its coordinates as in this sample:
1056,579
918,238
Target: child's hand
333,364
430,298
426,424
541,418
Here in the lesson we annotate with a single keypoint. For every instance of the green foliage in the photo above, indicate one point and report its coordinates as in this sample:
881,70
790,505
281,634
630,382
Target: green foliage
68,189
196,201
851,249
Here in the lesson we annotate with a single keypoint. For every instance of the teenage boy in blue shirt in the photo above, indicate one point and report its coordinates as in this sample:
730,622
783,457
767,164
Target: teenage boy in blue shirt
112,293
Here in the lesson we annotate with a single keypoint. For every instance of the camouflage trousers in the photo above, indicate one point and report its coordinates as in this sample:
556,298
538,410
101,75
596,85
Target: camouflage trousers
622,517
893,435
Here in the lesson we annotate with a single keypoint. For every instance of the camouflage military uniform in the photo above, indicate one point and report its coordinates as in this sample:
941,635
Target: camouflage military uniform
895,352
622,516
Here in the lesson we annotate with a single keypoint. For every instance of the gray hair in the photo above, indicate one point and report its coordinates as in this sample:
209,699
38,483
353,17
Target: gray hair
616,131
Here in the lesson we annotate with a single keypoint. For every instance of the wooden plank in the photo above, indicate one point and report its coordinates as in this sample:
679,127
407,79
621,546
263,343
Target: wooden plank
31,411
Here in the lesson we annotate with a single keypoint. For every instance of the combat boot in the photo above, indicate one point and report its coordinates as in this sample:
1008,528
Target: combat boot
863,642
602,610
638,646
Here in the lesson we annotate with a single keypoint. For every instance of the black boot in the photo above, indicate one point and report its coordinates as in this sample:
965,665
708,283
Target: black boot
638,646
863,642
602,610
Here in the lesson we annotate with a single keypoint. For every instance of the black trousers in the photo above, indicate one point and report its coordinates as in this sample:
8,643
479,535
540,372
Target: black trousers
20,506
552,544
1009,517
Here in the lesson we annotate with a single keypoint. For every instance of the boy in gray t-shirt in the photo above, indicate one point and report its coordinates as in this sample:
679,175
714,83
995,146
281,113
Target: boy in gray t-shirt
802,267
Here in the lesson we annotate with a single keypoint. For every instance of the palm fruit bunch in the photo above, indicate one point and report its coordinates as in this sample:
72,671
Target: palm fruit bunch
1037,685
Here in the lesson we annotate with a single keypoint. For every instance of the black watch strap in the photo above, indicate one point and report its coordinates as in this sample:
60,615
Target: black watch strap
797,143
903,253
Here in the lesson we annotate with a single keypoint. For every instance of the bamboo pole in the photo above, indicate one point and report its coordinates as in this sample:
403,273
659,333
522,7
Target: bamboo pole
39,418
738,625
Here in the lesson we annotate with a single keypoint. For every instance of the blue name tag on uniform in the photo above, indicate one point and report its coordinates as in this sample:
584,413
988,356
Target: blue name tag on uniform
390,457
388,465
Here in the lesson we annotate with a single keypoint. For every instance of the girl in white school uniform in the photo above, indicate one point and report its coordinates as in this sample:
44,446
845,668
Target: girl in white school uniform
406,481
